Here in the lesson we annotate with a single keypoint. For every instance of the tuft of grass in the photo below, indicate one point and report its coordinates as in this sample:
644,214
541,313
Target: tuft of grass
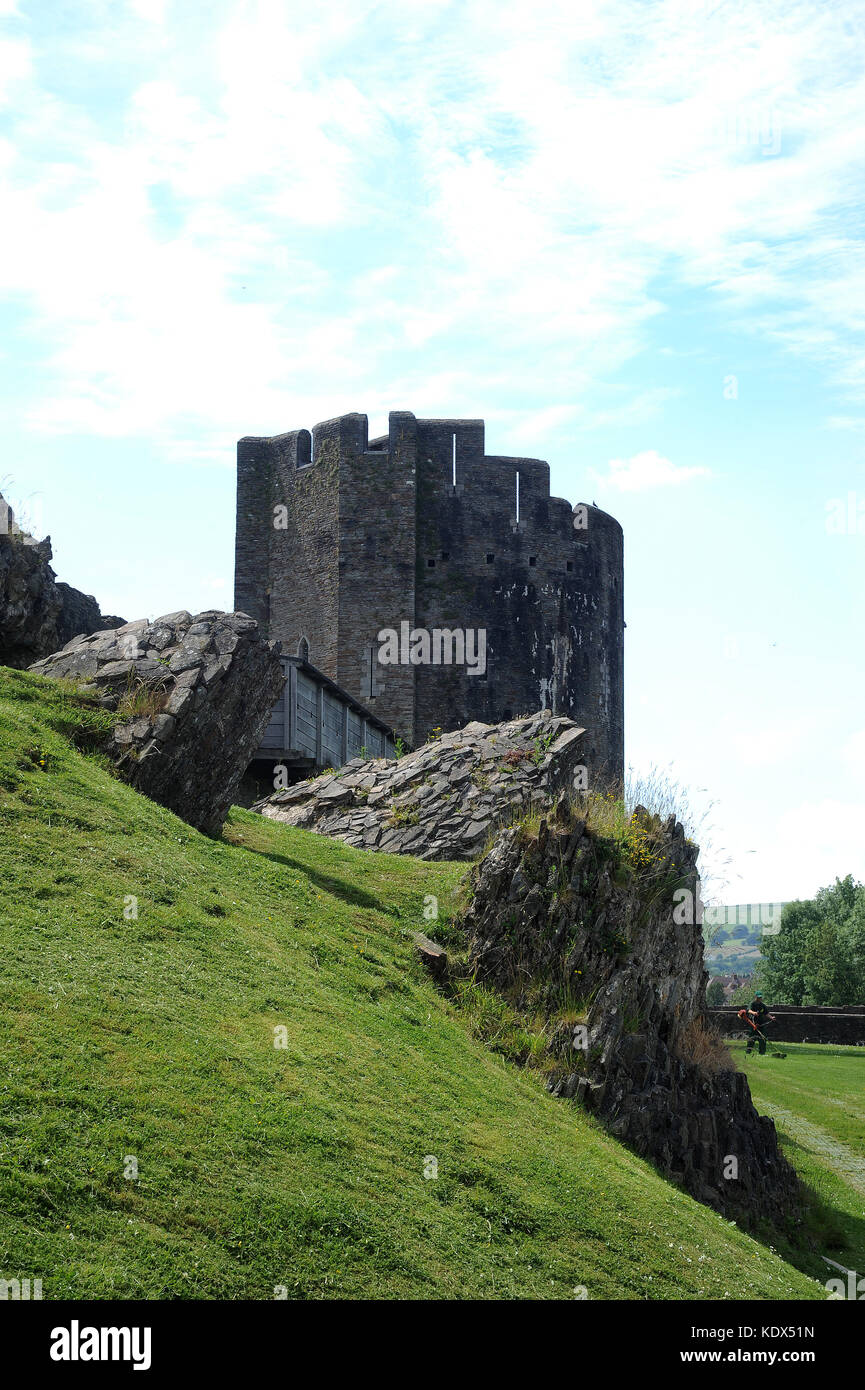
703,1045
522,1040
141,701
661,792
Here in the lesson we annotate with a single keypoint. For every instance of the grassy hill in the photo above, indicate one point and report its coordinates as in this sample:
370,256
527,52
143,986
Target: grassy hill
730,951
151,1038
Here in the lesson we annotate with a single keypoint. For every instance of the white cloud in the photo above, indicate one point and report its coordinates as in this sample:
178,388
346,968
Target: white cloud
153,11
778,743
353,199
796,852
854,423
835,844
15,67
853,753
648,469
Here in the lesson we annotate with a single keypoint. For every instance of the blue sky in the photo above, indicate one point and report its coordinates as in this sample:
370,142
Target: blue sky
627,234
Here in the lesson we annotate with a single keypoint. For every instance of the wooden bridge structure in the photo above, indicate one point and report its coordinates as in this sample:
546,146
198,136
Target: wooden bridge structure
316,724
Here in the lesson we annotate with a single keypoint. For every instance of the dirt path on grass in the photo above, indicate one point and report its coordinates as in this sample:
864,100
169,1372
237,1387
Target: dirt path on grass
848,1165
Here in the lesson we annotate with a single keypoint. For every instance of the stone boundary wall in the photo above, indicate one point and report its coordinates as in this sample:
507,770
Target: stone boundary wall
842,1025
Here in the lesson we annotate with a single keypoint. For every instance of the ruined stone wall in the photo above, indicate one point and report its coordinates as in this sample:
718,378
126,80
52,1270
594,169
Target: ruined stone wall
442,800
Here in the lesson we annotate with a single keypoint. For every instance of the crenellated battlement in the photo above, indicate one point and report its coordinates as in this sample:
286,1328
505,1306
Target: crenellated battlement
421,525
451,446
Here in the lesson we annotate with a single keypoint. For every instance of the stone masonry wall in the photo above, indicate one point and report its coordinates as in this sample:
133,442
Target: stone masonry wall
287,578
377,542
845,1026
549,596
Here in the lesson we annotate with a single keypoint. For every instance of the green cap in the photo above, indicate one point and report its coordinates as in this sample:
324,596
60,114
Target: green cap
758,994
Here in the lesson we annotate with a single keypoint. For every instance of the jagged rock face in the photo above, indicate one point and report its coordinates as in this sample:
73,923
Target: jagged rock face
440,801
80,616
566,917
198,692
37,615
30,604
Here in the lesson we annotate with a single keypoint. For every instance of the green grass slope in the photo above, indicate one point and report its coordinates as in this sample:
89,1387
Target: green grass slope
151,1038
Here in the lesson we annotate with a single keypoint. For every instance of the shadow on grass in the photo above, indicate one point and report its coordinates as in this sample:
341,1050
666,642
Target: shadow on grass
338,887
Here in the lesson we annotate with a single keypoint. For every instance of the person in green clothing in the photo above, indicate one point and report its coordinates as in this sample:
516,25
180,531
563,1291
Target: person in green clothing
760,1017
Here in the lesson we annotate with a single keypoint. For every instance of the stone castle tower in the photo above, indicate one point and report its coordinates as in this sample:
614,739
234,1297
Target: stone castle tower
340,537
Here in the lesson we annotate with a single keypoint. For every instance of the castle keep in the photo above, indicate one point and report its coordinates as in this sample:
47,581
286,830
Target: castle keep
340,537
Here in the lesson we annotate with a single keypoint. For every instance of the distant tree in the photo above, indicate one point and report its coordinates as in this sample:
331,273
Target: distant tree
818,956
830,973
715,994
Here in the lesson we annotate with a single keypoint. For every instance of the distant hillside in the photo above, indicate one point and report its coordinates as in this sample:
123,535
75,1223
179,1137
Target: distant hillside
733,935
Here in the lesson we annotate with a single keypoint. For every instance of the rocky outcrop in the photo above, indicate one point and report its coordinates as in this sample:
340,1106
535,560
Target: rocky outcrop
194,695
30,604
442,800
597,931
37,615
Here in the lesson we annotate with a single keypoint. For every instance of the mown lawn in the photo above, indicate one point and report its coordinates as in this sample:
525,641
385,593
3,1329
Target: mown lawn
155,1143
816,1095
